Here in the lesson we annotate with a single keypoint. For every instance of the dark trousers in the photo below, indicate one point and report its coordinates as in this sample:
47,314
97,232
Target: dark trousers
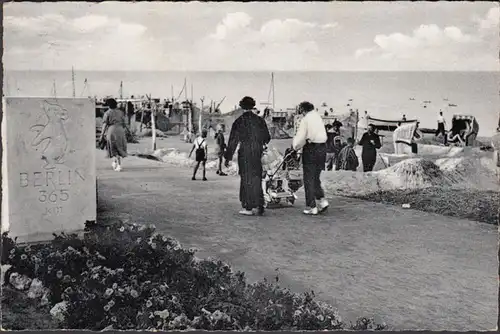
251,194
313,161
369,161
441,130
330,160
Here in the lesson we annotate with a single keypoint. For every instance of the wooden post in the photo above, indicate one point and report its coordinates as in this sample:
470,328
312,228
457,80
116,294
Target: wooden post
200,117
142,117
153,123
356,128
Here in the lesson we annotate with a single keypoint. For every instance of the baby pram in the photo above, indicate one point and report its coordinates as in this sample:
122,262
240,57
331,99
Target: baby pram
281,184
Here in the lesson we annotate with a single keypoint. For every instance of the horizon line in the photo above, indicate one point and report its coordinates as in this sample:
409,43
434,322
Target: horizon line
253,71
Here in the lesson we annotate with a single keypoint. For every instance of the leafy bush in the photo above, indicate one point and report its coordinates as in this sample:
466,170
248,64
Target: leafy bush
129,277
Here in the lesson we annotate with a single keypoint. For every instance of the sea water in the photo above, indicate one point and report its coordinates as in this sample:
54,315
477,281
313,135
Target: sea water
386,95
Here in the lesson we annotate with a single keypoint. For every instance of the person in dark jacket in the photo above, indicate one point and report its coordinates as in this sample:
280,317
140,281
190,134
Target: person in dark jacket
251,133
220,147
370,141
347,159
330,150
130,112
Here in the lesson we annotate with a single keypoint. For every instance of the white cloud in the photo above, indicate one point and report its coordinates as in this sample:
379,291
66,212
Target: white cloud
492,19
278,43
92,41
90,22
232,23
41,24
430,47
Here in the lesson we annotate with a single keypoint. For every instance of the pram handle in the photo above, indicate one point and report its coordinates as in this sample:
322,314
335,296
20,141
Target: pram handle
283,161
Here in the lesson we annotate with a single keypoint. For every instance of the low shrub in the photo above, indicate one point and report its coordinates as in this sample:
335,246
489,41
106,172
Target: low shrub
477,205
129,277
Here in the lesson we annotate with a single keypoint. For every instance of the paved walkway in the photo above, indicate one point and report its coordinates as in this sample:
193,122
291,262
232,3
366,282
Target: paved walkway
411,269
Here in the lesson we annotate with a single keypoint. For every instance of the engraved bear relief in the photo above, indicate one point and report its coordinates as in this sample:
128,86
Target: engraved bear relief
51,139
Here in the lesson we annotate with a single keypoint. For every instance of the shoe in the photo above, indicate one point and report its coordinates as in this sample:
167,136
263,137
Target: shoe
311,212
222,174
260,211
118,168
218,173
114,164
245,212
205,179
193,178
322,205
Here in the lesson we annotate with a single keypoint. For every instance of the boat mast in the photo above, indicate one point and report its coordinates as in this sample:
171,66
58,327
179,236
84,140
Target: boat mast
121,89
73,80
272,85
54,90
189,110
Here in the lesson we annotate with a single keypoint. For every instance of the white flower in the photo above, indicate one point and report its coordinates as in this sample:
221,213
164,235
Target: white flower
58,311
114,286
162,314
108,292
153,245
122,229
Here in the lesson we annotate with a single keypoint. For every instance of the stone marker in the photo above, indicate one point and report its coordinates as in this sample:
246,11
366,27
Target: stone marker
48,166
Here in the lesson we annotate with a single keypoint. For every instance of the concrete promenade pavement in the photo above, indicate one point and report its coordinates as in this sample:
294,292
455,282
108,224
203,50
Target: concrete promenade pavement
411,269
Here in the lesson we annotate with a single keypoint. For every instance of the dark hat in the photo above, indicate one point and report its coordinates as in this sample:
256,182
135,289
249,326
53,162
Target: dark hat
111,103
306,106
247,103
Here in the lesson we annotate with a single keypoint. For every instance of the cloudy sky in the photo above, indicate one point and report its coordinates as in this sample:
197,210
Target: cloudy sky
456,36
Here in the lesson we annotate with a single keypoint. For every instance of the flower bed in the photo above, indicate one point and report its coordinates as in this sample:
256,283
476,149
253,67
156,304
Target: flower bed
129,277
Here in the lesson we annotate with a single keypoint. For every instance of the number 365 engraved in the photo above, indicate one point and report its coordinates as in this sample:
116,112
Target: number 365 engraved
53,196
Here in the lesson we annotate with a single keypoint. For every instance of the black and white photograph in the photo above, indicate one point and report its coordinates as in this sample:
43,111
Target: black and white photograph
250,166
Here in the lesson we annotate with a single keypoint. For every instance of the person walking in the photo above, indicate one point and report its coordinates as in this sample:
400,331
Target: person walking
441,129
370,141
220,147
251,133
200,145
130,112
330,150
311,138
114,130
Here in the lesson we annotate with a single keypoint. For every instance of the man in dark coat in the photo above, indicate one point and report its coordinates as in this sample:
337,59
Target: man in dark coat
250,131
370,142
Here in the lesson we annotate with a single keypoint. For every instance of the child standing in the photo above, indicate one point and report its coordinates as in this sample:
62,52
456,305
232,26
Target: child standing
221,146
200,145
